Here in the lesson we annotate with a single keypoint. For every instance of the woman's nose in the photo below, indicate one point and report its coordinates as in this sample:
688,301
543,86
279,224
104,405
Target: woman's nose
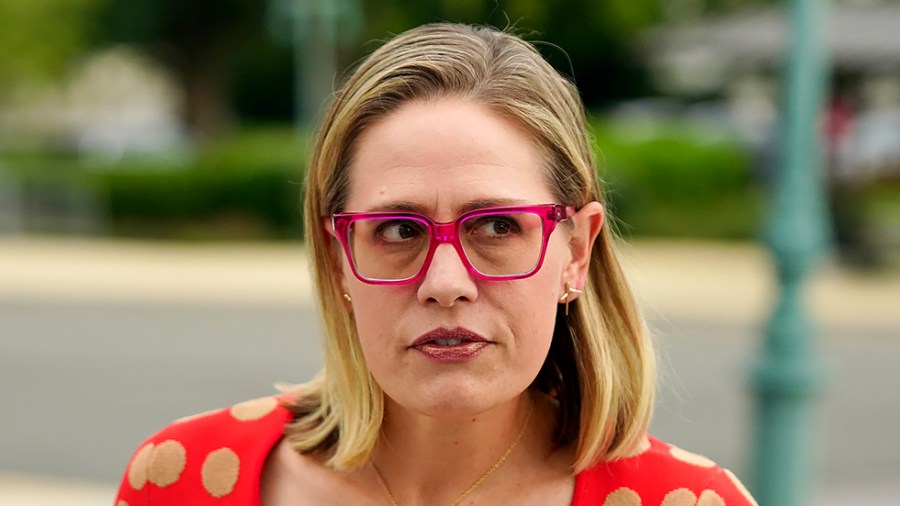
447,281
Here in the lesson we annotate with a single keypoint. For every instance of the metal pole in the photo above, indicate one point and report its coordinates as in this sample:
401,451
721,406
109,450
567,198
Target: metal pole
788,375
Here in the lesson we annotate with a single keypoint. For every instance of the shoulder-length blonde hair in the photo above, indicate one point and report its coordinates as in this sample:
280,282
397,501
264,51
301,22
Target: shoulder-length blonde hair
600,366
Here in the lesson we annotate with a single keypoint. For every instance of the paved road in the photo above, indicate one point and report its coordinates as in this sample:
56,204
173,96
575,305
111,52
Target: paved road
84,378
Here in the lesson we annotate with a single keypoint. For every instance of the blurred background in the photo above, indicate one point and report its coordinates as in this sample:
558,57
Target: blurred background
151,164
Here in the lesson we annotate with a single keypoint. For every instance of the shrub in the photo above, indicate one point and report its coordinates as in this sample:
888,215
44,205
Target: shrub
245,187
671,183
676,182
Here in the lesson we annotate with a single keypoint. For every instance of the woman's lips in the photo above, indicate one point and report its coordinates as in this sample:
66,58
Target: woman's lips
450,345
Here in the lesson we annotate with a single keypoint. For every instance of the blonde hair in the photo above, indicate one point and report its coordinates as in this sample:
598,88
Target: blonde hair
600,366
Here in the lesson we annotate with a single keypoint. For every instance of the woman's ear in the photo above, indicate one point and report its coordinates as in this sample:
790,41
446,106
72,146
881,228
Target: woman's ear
587,223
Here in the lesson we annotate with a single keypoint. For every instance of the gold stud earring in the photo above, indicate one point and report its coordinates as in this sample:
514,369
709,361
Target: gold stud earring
348,298
566,297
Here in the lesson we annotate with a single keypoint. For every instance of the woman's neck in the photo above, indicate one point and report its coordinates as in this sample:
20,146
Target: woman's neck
428,460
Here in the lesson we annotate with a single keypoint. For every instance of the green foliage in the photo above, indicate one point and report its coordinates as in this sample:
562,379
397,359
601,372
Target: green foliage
185,24
41,38
200,41
588,40
591,41
669,182
676,182
883,206
245,187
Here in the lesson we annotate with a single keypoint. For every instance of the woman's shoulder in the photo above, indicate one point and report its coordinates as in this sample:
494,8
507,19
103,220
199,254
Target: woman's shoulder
206,457
660,473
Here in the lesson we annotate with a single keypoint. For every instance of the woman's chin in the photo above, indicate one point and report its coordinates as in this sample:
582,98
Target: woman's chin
451,401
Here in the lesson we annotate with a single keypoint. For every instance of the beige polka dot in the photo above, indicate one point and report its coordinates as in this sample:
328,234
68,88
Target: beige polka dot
680,497
121,503
690,458
710,498
220,472
642,446
137,471
740,486
622,496
255,409
167,463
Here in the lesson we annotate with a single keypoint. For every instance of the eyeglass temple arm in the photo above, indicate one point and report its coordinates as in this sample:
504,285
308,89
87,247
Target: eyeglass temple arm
562,212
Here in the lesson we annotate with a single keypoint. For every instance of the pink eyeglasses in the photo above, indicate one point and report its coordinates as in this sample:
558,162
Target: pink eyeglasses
498,243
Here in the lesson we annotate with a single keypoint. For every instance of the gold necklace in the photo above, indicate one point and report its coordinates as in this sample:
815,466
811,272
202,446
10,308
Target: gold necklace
480,479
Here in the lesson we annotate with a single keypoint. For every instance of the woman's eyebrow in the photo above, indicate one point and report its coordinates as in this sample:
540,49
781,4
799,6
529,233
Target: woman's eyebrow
399,206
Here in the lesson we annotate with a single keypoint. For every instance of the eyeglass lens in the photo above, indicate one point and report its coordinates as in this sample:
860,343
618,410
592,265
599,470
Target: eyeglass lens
395,248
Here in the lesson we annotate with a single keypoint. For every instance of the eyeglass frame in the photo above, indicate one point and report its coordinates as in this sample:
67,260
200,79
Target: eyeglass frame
448,232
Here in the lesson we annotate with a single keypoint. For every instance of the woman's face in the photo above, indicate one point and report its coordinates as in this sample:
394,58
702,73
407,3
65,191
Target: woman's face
442,158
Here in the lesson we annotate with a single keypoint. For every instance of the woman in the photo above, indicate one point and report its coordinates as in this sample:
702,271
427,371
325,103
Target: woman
482,345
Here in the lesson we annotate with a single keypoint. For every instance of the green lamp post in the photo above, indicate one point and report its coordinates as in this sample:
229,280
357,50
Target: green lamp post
319,29
787,376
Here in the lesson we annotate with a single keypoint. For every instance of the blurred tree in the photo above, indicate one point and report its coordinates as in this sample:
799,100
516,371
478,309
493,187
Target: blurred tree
264,80
226,55
40,39
597,37
199,39
588,40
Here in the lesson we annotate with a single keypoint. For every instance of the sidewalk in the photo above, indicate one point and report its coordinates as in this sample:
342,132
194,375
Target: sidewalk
736,283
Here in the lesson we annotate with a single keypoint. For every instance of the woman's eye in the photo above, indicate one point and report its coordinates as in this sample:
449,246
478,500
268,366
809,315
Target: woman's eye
396,231
496,226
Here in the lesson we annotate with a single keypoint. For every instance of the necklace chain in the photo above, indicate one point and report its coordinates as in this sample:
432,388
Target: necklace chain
480,479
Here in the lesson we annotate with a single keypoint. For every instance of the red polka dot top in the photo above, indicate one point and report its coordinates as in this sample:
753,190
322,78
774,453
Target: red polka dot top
216,458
